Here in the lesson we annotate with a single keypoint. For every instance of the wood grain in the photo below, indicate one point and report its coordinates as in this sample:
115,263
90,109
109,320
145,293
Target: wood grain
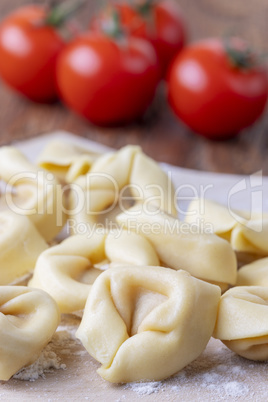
160,134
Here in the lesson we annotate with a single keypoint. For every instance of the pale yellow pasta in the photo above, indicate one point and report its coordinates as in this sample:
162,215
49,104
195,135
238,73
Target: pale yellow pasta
216,215
68,270
147,323
33,192
205,256
67,161
126,247
254,274
256,234
240,243
20,246
242,321
28,320
112,180
245,235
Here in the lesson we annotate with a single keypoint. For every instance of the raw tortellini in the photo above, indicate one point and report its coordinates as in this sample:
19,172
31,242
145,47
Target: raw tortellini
147,323
141,321
20,246
244,235
205,256
254,274
33,192
67,271
242,321
115,177
28,320
66,161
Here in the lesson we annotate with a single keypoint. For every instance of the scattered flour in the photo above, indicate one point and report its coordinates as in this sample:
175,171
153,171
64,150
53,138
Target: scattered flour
145,388
219,386
47,361
219,375
234,388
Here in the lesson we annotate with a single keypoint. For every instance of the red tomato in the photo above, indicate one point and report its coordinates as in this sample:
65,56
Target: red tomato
105,81
211,93
159,22
28,53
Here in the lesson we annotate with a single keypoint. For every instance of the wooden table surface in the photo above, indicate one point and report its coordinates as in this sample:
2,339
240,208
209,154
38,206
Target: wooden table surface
160,134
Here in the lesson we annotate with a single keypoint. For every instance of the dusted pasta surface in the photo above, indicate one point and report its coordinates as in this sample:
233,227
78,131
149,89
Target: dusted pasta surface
20,246
242,321
197,380
68,270
28,320
147,323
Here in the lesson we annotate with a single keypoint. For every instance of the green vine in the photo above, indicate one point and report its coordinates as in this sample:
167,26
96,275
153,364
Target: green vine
111,25
144,7
59,13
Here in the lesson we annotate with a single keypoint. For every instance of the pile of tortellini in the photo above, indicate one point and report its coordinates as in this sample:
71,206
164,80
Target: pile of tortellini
148,286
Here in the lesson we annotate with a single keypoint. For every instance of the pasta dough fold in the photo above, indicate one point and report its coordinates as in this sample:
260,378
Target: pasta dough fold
147,323
115,177
28,320
205,256
67,271
20,246
242,321
254,274
244,235
66,160
32,192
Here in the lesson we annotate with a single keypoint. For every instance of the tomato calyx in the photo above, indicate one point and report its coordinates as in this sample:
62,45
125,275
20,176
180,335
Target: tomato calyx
111,24
58,14
239,54
144,7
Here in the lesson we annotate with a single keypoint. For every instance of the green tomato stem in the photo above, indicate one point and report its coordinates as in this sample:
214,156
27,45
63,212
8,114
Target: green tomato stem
144,7
240,57
59,14
111,25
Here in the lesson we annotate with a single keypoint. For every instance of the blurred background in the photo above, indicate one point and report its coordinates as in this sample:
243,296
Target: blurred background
160,133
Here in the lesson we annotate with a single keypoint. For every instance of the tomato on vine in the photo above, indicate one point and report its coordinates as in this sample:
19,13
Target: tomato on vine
217,87
29,47
158,21
108,81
